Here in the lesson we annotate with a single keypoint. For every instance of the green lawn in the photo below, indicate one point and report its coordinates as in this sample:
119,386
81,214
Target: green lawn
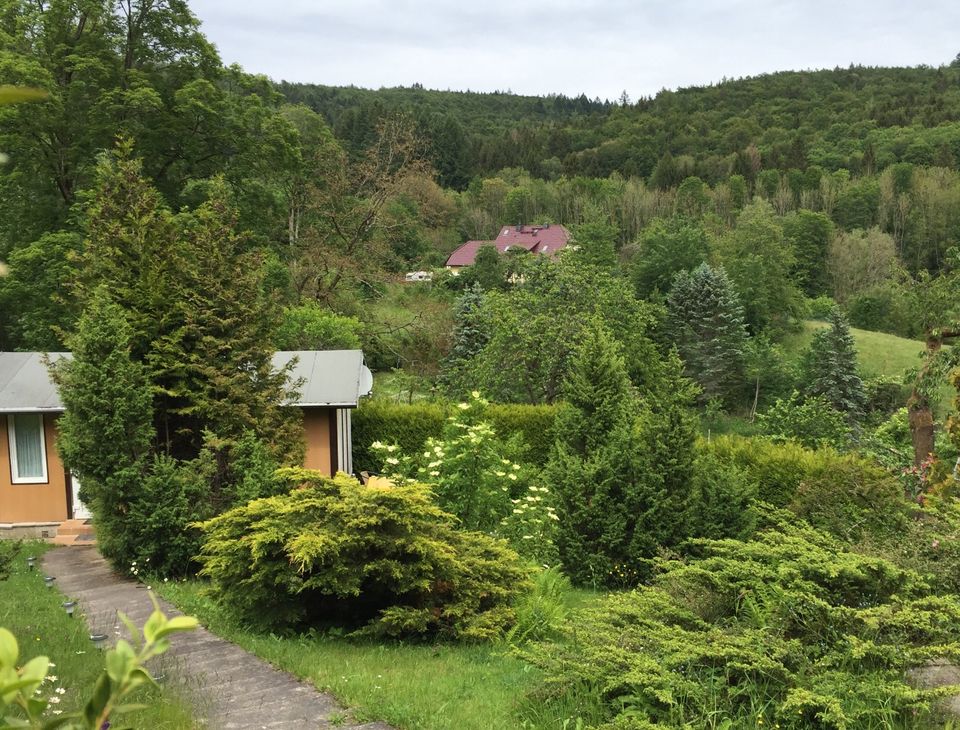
411,686
34,614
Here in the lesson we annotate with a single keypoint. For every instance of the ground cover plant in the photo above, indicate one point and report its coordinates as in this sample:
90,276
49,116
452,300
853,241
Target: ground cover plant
787,629
36,618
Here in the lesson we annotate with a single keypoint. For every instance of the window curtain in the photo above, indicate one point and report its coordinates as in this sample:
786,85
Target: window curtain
29,445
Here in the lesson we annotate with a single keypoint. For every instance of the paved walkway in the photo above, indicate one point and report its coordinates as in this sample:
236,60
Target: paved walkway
230,688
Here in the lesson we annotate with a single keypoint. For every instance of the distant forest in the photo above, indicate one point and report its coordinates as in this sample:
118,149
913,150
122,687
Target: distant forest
858,118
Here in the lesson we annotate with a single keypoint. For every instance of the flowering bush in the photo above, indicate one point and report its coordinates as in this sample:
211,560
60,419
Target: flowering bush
473,476
531,526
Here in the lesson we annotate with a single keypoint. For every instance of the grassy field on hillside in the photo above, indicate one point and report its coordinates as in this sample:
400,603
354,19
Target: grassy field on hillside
879,354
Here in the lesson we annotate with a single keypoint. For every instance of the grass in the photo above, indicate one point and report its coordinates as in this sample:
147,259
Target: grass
34,614
411,686
878,353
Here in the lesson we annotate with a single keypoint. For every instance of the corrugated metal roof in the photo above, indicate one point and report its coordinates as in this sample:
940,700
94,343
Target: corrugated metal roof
25,384
329,378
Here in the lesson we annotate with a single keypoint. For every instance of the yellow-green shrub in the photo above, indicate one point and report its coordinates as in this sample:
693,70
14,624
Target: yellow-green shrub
383,560
788,629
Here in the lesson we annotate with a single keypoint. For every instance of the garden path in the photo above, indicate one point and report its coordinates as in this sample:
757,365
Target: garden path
229,687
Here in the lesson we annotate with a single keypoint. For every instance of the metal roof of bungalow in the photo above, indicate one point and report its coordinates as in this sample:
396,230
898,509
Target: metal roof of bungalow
25,385
546,239
325,377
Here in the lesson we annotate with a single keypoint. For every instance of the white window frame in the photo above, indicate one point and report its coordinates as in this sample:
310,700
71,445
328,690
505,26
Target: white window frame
12,441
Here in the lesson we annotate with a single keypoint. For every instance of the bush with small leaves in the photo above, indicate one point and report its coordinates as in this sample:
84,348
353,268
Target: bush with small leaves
788,629
382,560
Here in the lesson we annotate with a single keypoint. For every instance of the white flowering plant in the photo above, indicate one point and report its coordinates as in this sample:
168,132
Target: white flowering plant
474,476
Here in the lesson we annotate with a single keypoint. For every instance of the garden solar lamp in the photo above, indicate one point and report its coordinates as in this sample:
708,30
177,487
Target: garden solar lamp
48,579
98,641
69,607
32,562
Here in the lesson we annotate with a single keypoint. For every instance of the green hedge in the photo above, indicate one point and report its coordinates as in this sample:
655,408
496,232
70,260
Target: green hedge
409,426
844,494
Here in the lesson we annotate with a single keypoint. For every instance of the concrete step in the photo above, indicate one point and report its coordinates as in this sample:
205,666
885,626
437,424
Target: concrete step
75,527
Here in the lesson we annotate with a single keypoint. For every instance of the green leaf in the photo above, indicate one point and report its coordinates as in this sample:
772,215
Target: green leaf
98,700
153,625
35,669
178,623
8,649
121,709
131,627
139,676
120,660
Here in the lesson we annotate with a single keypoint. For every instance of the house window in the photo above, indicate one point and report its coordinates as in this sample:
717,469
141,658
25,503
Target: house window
28,454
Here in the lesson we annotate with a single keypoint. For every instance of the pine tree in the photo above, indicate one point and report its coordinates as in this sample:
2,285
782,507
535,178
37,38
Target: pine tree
706,322
831,368
106,431
217,357
200,319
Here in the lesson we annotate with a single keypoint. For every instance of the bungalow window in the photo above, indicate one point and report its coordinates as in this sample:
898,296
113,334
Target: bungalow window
28,455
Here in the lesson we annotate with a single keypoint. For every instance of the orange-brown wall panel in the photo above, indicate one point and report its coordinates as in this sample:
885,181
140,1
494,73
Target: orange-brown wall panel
33,502
316,431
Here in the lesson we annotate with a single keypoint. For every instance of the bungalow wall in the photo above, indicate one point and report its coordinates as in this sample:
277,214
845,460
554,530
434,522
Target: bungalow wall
326,432
44,502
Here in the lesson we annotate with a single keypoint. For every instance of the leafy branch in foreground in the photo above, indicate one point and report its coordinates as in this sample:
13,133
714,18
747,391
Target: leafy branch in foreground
124,672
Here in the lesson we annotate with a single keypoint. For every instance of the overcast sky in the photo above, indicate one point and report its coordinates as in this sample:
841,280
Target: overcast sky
570,46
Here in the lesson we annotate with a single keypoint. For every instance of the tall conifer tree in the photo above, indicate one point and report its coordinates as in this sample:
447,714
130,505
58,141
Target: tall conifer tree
831,366
707,325
621,468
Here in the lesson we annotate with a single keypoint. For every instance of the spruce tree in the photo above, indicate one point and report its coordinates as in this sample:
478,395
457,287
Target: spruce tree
831,368
217,356
706,323
200,319
470,334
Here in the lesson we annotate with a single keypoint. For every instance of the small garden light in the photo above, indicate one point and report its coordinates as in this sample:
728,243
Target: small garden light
69,607
48,580
98,640
32,562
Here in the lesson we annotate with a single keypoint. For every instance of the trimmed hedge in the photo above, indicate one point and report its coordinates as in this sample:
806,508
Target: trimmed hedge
409,426
843,494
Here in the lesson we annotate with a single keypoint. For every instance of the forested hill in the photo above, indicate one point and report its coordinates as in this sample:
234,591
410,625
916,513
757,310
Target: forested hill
857,118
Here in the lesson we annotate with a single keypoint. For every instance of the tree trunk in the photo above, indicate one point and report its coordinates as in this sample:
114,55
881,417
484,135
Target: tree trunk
921,428
918,406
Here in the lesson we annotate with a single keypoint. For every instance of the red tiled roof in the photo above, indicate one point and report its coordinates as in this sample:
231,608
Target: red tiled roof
536,239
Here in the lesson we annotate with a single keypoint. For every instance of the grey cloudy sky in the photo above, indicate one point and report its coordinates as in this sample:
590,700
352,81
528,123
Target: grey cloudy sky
570,46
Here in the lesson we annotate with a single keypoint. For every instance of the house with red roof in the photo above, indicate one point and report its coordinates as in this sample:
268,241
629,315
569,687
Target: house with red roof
546,240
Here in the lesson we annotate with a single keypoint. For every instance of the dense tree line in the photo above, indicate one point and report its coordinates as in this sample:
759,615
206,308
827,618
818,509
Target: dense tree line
858,118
